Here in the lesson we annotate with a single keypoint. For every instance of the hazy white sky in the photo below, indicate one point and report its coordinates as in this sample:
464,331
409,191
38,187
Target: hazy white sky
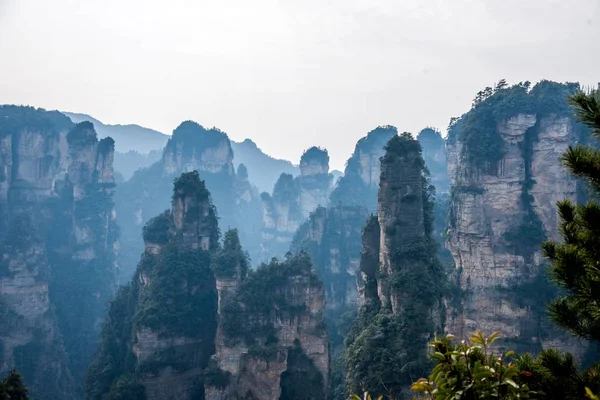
287,73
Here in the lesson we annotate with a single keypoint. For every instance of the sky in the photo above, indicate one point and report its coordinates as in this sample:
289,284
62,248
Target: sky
289,74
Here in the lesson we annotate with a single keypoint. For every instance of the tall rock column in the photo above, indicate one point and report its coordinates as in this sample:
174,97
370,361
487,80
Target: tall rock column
272,341
504,165
360,182
60,242
402,279
160,332
292,201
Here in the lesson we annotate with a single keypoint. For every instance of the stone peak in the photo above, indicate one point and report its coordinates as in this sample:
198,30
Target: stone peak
314,161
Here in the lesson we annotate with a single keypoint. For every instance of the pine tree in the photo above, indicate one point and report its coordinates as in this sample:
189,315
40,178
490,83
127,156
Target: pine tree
12,387
575,263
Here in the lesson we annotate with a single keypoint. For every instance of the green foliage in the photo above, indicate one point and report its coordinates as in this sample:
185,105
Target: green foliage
195,138
477,129
527,235
250,313
385,349
332,251
12,387
82,135
231,260
285,190
106,145
472,370
157,229
315,153
114,358
181,299
14,119
379,359
574,261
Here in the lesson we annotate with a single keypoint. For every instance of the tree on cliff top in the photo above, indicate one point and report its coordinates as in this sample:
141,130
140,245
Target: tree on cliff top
575,264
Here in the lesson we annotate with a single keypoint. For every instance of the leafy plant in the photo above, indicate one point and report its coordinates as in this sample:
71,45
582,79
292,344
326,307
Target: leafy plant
470,370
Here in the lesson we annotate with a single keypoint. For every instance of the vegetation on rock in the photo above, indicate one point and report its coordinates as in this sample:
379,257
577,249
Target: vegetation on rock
385,348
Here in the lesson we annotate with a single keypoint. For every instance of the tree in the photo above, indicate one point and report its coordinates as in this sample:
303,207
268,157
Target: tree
472,371
575,263
12,387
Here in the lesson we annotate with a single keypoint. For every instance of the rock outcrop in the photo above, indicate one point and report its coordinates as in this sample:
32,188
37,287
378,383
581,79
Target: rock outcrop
402,278
360,182
292,201
332,238
58,263
434,154
272,339
160,331
503,205
194,320
190,148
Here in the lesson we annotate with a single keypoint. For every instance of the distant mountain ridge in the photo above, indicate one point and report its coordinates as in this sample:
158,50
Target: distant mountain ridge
264,169
127,137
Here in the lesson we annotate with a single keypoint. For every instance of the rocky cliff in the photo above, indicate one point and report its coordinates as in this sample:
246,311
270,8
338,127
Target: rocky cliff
60,242
160,331
292,201
272,339
360,182
402,279
194,319
434,154
190,148
506,178
332,238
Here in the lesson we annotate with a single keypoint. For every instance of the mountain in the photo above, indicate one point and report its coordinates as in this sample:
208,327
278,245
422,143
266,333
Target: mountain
190,148
360,182
127,137
402,280
506,175
58,243
292,201
196,323
265,169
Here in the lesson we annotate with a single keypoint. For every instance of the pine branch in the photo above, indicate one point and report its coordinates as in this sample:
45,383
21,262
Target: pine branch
587,109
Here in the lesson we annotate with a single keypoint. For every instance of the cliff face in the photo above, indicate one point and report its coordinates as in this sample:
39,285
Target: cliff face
30,339
190,148
502,207
332,238
402,278
195,320
160,331
360,182
314,182
434,154
292,201
272,338
58,260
